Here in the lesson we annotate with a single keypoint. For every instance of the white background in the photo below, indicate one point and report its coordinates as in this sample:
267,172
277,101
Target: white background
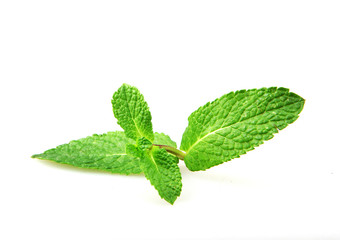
61,61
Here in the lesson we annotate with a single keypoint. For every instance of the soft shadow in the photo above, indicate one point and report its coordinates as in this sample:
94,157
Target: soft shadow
208,175
214,176
220,178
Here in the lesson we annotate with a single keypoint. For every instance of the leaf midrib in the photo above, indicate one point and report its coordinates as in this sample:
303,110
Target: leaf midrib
154,162
115,154
130,112
200,139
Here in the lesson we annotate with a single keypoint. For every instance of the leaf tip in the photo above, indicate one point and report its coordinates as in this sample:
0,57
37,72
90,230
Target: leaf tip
36,156
171,201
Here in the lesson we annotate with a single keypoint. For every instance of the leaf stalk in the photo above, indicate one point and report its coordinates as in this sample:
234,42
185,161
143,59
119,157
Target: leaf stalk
174,151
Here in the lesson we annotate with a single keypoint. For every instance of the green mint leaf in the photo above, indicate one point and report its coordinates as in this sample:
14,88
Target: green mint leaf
161,169
162,139
104,152
236,123
144,143
132,112
108,152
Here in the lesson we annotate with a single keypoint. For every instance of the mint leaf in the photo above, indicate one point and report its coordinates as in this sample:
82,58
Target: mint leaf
236,123
132,112
161,169
104,152
144,144
162,139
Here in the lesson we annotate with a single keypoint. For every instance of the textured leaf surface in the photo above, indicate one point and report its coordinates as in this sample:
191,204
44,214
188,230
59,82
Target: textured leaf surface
162,139
132,112
104,152
161,169
236,123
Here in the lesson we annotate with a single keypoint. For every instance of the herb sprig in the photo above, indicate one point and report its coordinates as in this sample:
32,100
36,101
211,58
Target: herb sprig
219,131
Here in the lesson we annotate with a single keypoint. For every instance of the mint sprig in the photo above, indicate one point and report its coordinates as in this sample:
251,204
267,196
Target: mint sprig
217,132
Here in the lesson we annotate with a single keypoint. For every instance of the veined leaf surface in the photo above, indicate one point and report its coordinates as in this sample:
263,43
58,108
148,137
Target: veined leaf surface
236,123
132,112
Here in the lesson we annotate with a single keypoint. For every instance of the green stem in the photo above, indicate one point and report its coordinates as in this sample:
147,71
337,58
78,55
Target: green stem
172,150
